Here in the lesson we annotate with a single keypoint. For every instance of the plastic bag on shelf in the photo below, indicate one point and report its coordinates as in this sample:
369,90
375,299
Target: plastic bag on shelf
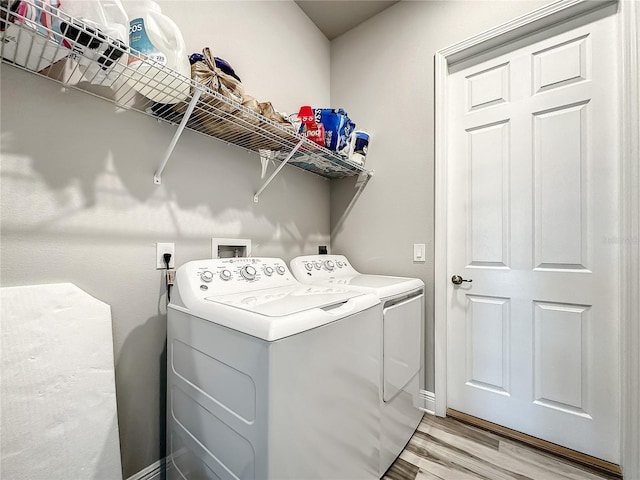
37,20
338,128
8,11
281,119
98,33
217,116
264,133
268,111
237,117
217,75
221,63
207,73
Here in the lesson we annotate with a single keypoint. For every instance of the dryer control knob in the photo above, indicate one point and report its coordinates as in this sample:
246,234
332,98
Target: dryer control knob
317,265
206,276
339,263
280,269
329,265
248,272
268,271
308,266
225,275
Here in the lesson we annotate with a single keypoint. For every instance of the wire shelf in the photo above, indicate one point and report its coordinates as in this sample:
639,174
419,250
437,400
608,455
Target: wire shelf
75,54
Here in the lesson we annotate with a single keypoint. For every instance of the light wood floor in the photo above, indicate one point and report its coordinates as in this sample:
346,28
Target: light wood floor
444,448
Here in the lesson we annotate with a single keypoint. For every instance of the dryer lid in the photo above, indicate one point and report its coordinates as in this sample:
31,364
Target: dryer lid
383,286
336,270
370,281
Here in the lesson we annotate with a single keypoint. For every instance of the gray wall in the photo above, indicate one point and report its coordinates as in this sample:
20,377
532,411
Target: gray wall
79,204
382,73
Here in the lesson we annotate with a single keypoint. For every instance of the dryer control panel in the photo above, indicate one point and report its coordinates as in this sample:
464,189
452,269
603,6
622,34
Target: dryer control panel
223,276
321,267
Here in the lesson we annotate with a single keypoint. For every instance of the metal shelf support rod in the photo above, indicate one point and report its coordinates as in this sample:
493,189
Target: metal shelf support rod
157,177
277,170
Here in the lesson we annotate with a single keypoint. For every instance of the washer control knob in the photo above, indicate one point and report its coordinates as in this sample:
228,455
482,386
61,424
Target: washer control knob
308,266
329,265
248,272
280,269
268,271
339,263
317,265
225,275
206,276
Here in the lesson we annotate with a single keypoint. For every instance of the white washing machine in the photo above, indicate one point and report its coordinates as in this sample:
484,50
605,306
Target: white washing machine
268,378
401,320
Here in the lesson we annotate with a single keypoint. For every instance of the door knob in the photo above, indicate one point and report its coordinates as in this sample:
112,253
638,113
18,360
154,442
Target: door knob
457,280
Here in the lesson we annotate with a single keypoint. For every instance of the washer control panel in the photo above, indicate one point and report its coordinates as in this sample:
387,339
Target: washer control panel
321,267
220,276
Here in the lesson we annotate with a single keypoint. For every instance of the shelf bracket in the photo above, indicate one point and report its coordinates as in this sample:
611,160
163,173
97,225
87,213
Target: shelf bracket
157,177
277,170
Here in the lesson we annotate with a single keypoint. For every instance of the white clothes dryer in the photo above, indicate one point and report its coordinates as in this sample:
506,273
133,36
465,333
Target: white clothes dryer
268,378
401,320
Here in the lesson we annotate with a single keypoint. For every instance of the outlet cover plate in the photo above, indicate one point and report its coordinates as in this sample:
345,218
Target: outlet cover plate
161,249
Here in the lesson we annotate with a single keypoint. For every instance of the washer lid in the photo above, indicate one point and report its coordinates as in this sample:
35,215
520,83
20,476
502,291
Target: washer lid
283,301
260,297
276,313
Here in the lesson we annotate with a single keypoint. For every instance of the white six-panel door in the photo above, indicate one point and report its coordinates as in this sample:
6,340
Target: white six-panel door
532,221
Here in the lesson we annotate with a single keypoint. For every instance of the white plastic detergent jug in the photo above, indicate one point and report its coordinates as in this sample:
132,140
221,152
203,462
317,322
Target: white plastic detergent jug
157,38
97,31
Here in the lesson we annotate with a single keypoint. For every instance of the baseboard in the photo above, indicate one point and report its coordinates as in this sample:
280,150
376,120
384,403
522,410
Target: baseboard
428,401
558,450
155,471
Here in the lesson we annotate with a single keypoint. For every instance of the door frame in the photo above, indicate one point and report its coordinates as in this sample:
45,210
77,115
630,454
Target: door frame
629,236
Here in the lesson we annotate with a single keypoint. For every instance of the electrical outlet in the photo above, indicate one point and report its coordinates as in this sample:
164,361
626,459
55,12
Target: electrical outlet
161,249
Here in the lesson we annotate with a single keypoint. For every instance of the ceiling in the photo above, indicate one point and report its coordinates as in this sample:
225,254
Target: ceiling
334,17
